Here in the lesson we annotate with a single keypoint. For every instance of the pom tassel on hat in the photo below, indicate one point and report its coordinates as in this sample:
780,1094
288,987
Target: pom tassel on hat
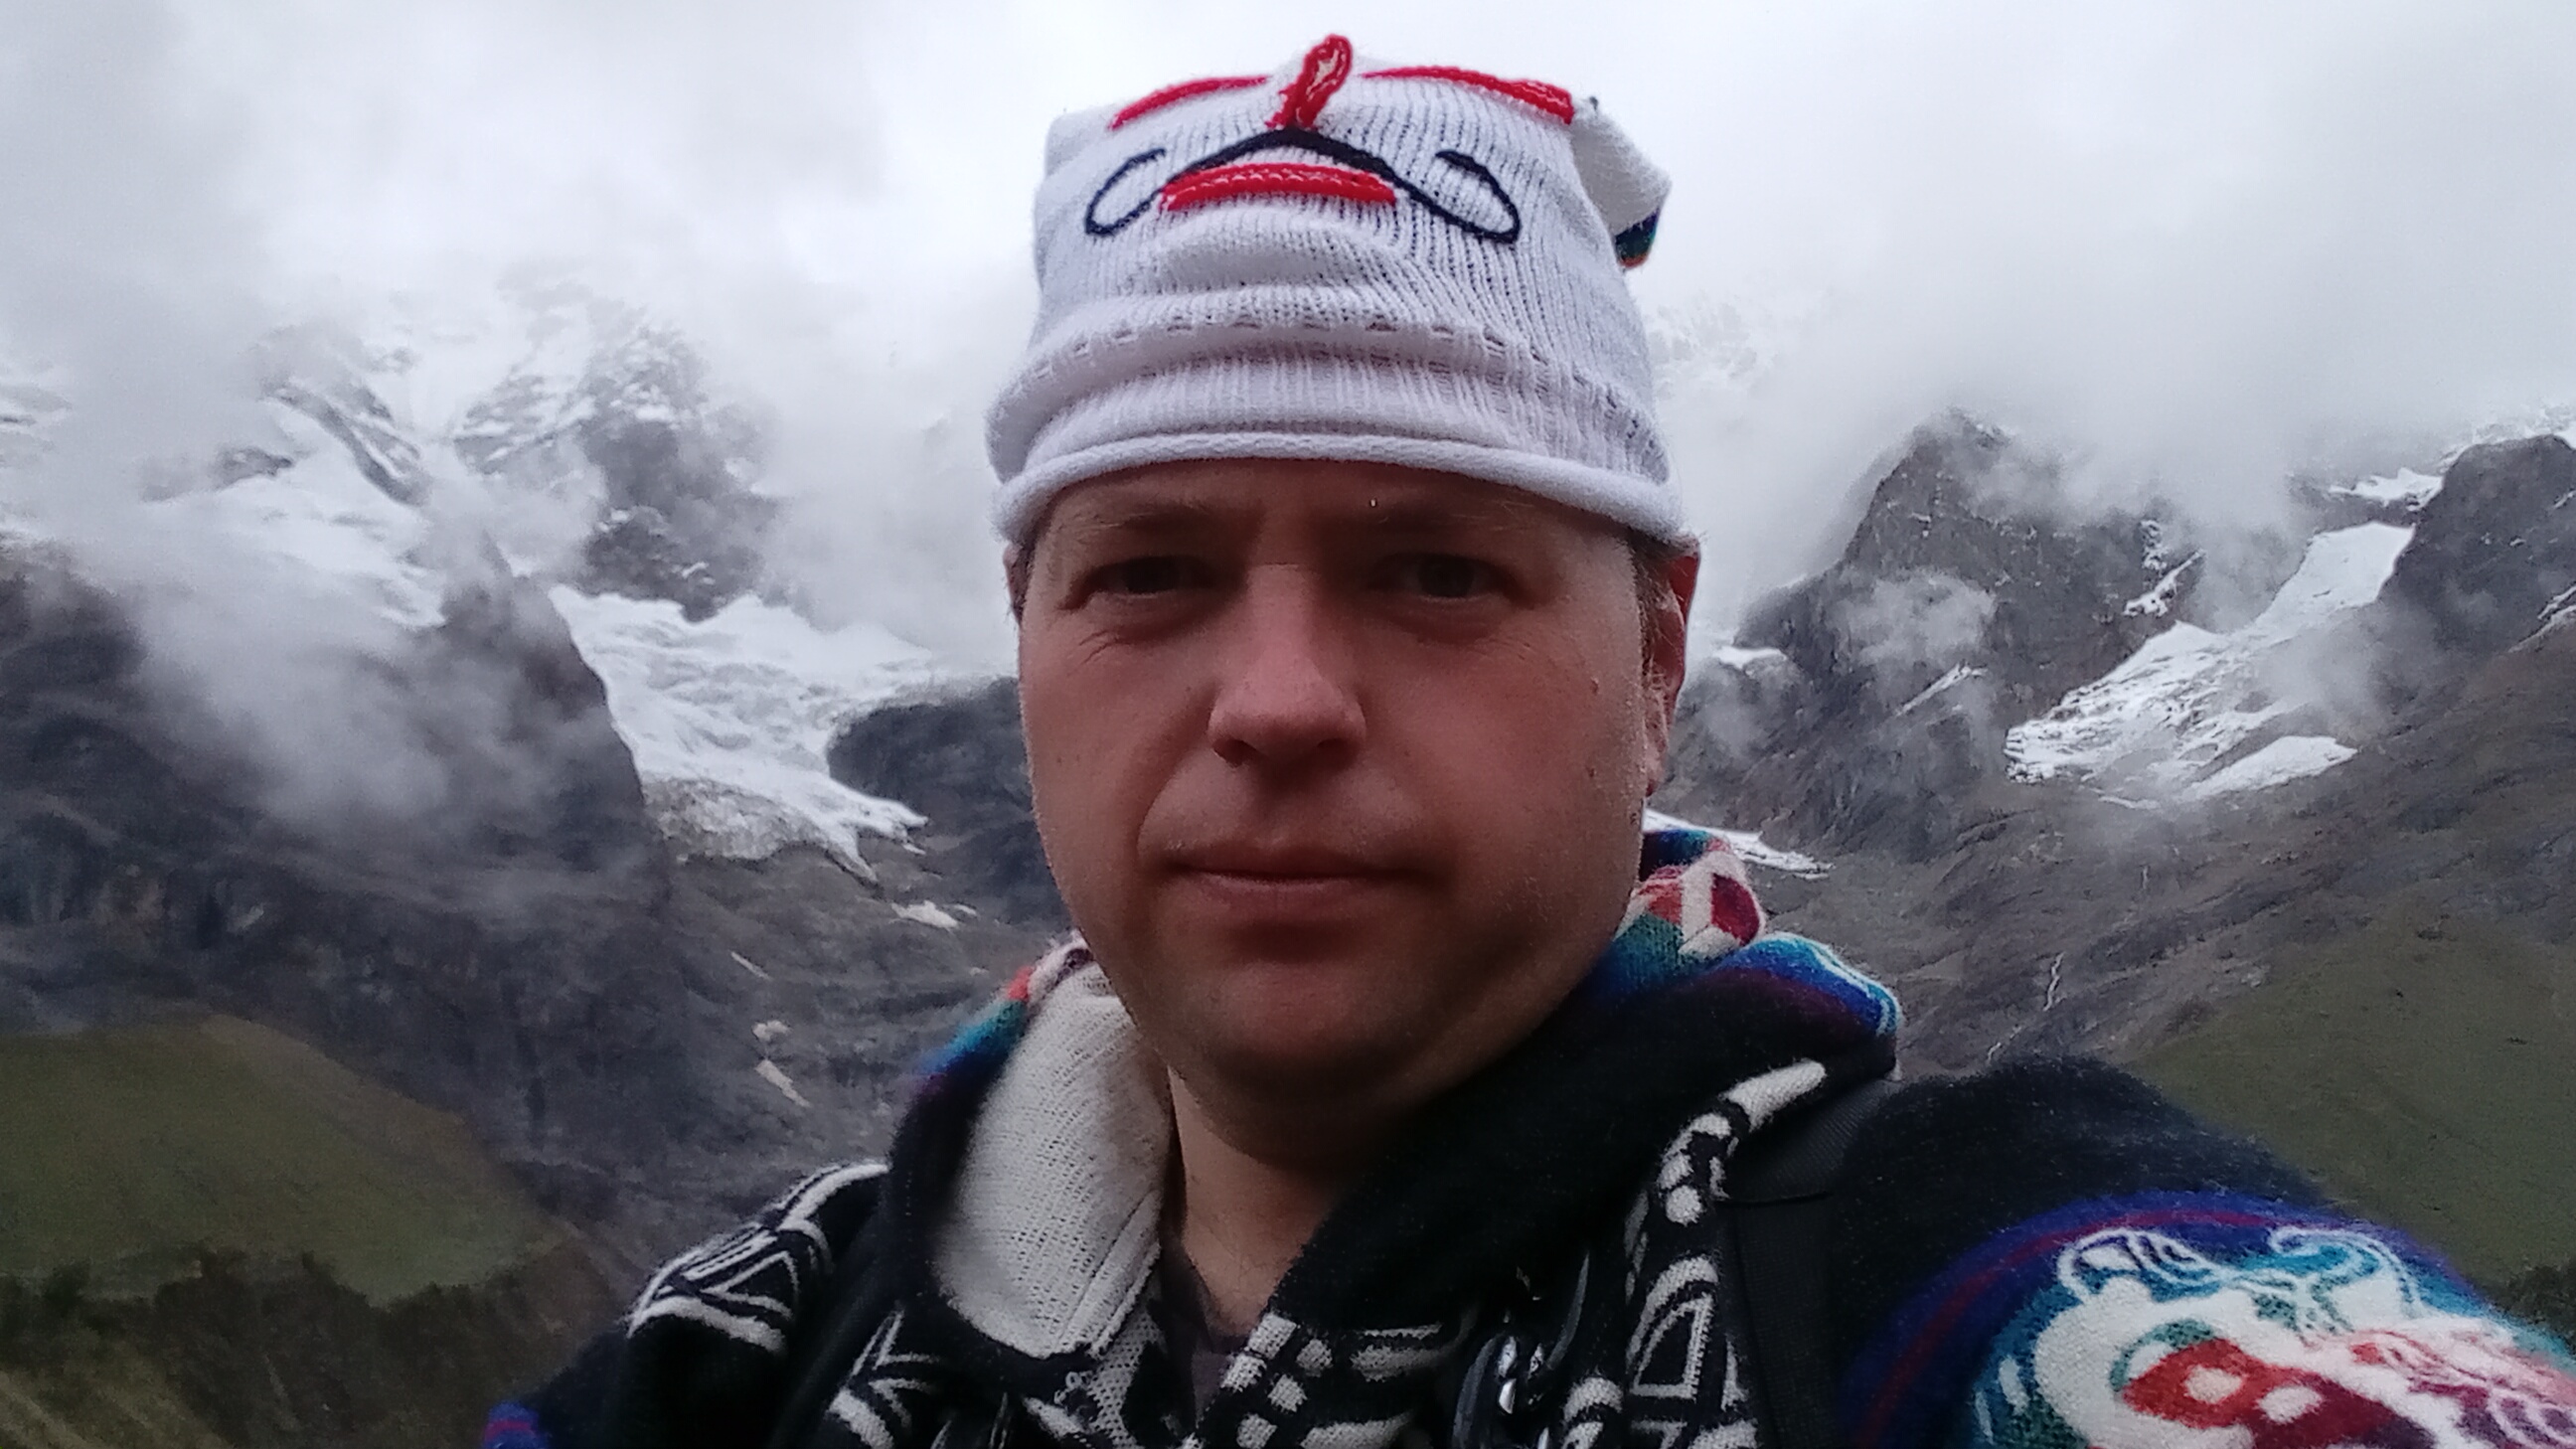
1322,73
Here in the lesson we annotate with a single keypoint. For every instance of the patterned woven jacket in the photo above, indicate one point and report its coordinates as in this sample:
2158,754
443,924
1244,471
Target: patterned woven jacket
2047,1255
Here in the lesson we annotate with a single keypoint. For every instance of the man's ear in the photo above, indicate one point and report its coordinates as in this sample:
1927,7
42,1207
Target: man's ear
1667,651
1015,578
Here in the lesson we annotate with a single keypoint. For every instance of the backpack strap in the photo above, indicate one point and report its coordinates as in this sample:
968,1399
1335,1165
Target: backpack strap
819,1356
1780,1195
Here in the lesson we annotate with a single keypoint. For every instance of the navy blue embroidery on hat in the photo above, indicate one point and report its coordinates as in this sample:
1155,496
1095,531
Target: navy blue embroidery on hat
1296,138
1091,221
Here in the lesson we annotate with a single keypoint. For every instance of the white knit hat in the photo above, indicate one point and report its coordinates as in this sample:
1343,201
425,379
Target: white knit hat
1418,265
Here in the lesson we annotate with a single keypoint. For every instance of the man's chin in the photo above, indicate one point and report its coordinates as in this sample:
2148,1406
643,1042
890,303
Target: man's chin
1301,1042
1323,1077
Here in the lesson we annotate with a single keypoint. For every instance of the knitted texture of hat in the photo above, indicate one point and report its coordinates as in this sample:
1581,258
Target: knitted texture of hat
1414,265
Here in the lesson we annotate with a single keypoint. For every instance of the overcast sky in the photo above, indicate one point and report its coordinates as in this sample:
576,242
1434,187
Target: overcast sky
2199,239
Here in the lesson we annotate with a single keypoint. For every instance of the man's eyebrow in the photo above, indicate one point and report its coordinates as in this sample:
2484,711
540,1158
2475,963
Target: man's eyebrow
1415,517
1152,518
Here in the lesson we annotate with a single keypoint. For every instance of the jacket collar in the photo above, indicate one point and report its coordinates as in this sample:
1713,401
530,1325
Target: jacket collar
1028,1174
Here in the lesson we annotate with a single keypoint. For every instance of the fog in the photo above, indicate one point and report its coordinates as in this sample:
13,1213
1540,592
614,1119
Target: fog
2191,244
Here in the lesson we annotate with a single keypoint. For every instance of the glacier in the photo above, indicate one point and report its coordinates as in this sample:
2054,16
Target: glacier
2169,720
729,718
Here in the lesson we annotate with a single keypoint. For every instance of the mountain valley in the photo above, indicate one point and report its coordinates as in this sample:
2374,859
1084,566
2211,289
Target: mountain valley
590,892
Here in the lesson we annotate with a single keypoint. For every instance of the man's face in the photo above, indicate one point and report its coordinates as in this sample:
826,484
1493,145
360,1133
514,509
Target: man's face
1339,765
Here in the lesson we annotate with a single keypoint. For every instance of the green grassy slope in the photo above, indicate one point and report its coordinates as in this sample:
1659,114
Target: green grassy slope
130,1151
2425,1073
212,1237
247,1355
98,1402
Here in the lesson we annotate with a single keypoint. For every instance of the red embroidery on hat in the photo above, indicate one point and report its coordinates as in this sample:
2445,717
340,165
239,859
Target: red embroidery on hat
1301,101
1272,178
1557,101
1187,90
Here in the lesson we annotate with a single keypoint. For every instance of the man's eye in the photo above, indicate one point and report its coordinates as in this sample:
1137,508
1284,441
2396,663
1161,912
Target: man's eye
1154,574
1444,576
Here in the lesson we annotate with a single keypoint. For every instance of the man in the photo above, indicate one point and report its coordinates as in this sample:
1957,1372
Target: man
1394,1089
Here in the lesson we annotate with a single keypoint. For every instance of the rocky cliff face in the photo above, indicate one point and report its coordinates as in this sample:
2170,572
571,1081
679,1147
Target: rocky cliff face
497,957
614,404
2494,553
2363,958
960,761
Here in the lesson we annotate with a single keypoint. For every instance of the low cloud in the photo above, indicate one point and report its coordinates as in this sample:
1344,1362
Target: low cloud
2190,245
1915,622
2196,246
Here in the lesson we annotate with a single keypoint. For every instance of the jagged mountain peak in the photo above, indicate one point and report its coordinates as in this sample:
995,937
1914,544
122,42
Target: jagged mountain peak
608,400
2494,550
1968,557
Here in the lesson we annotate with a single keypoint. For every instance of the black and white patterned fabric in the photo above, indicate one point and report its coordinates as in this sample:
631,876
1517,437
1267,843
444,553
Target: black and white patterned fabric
1544,1263
1627,1340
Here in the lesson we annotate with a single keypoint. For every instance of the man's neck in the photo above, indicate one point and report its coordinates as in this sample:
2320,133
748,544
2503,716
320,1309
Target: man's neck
1247,1208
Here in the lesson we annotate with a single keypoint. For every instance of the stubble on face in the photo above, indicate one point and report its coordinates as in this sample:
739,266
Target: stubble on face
1338,767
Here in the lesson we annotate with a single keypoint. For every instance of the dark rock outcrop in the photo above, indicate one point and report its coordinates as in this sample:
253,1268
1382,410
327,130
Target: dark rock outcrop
961,761
539,768
1962,560
2495,548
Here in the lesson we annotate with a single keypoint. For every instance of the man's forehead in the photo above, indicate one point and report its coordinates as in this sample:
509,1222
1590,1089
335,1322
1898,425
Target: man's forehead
1247,494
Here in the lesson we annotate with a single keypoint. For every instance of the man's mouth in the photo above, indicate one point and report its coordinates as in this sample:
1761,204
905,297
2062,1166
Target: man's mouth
1285,865
1278,885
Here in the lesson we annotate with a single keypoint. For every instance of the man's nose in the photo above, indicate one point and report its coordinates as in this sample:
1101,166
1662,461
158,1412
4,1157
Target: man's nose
1287,696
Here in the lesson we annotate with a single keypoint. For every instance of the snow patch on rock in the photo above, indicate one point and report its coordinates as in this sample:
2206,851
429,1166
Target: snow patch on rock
2405,487
1958,675
2166,718
2557,615
1748,844
776,1076
1772,857
2291,757
2159,598
926,913
1739,658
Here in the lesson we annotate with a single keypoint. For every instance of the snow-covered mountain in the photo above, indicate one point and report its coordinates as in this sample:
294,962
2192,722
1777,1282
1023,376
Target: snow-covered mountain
444,719
571,441
1980,634
2078,782
2193,714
